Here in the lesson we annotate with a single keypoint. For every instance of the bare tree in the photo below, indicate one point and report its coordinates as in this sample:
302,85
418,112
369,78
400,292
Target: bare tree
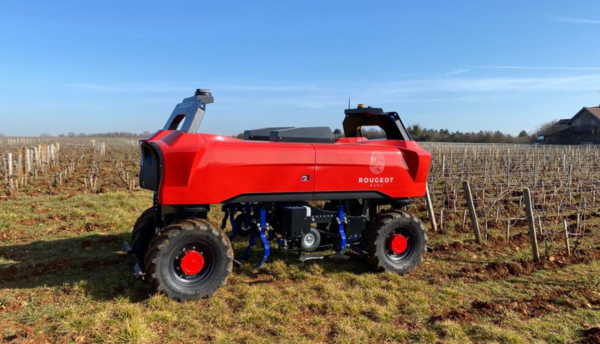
544,127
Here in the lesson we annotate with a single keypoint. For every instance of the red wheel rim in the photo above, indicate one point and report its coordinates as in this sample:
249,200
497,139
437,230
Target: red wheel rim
192,262
397,243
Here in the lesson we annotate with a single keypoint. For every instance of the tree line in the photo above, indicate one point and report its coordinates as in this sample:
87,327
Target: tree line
444,135
123,134
418,133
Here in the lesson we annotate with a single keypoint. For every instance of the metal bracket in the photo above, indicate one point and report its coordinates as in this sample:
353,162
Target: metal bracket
341,219
263,237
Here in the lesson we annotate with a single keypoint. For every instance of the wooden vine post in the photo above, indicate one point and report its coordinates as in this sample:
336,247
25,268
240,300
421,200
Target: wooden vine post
567,238
472,212
430,211
531,222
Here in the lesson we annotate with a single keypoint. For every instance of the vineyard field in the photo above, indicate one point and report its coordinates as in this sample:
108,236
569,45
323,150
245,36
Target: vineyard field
67,205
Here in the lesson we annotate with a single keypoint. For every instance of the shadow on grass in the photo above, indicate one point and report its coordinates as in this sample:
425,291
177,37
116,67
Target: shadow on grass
96,264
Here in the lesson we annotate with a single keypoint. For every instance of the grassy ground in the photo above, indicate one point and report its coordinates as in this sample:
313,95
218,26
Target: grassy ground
65,278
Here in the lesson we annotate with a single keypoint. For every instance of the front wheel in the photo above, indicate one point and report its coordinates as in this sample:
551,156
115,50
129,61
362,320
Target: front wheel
189,260
396,242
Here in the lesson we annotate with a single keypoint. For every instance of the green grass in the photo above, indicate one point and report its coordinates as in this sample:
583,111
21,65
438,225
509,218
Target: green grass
64,278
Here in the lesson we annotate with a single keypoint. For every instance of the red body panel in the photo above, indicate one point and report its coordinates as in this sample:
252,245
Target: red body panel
381,166
212,169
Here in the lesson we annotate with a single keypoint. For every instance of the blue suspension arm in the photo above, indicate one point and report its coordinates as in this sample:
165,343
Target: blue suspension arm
263,237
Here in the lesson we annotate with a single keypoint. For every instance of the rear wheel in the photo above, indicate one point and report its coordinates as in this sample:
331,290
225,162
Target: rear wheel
189,260
142,234
396,242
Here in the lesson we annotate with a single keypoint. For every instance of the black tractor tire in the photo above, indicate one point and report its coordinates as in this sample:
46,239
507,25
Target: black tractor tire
241,229
164,262
385,227
311,241
142,234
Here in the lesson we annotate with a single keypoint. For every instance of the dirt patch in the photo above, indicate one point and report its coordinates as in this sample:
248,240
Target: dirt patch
59,217
455,246
28,222
591,336
495,243
525,308
94,226
11,235
94,215
524,267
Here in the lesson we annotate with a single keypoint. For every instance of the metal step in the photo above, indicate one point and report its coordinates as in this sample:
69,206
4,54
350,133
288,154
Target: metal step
305,257
338,255
360,251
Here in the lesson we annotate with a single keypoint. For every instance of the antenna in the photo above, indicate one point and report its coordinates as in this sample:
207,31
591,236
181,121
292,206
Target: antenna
349,102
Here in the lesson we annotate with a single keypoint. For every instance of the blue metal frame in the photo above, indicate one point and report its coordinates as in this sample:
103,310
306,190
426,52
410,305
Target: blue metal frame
341,228
263,238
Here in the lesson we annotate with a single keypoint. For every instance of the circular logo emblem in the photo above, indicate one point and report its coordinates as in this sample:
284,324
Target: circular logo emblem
377,162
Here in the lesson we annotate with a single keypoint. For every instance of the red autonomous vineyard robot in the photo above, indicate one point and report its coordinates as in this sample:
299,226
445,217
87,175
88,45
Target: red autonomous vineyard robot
266,184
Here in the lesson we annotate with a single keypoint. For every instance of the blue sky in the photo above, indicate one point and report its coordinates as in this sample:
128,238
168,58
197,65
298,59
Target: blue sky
96,66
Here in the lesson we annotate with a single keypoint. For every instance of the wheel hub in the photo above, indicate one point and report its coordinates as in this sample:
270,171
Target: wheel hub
309,239
397,243
192,262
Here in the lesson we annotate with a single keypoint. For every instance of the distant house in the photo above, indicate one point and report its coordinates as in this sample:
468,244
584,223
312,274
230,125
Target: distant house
583,128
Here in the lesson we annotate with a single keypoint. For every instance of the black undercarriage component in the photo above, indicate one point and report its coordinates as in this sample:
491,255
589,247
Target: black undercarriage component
295,221
355,227
297,226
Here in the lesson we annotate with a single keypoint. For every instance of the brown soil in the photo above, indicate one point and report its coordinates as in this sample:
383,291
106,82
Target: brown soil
524,267
538,306
28,222
591,336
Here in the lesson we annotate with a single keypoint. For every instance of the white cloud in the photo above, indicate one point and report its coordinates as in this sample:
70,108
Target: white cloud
573,20
457,72
536,68
336,93
485,85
